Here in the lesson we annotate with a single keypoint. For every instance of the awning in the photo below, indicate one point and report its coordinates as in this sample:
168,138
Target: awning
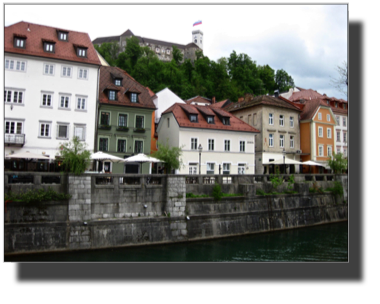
280,161
311,163
27,155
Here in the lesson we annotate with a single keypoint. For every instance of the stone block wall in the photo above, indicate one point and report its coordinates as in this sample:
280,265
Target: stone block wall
176,196
80,202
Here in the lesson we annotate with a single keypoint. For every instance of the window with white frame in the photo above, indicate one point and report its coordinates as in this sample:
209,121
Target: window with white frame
344,151
139,146
63,130
81,103
82,52
112,95
66,71
118,81
281,141
193,118
328,133
344,136
320,150
210,168
63,36
194,143
338,135
242,146
103,144
226,168
64,101
320,131
291,142
133,97
49,47
281,120
227,145
15,65
338,150
47,99
123,120
211,145
241,168
270,140
49,69
329,150
14,96
193,167
13,127
328,117
139,121
121,145
270,118
319,116
19,42
337,120
82,73
105,118
344,122
291,122
45,129
80,131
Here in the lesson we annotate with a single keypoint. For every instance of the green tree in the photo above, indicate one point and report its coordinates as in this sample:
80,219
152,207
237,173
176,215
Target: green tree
76,158
338,163
177,55
109,51
133,50
283,80
170,155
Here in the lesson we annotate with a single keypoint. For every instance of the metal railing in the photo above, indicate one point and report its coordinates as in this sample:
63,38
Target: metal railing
16,139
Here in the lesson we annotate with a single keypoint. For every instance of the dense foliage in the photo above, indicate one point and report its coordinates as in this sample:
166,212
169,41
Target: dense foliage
227,78
36,195
338,163
75,158
171,156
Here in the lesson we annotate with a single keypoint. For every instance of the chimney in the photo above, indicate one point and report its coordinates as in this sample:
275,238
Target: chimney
276,93
213,100
240,99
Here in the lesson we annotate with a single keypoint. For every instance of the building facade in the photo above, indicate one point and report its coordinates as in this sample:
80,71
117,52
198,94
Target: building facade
51,78
227,142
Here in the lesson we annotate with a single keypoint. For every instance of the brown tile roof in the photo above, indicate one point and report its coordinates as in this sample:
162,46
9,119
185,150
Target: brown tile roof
151,93
180,113
127,83
198,99
220,104
261,100
305,94
64,50
311,107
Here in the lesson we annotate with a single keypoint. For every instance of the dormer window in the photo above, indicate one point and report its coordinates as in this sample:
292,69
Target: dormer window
49,46
193,118
210,119
63,36
133,97
19,42
118,82
344,106
226,121
328,102
112,95
82,52
336,104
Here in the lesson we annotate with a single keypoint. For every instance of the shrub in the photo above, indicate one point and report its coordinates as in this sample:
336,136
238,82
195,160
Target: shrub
217,192
337,189
36,195
76,158
260,192
276,179
290,182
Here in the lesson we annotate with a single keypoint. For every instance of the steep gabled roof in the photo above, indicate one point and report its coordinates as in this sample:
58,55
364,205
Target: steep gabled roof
198,99
221,104
35,34
311,107
305,94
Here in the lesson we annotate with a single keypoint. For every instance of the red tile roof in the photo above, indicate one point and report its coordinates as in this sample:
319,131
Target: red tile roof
107,74
220,104
197,99
64,50
180,113
305,94
311,107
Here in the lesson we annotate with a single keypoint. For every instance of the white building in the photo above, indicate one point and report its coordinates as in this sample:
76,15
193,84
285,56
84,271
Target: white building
227,142
51,78
165,99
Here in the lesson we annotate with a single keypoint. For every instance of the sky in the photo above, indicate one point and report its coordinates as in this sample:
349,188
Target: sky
307,41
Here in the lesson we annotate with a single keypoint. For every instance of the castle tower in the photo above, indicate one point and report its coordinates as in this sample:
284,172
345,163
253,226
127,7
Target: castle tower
198,38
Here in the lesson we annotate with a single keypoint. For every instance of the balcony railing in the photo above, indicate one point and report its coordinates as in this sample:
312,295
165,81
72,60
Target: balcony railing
14,139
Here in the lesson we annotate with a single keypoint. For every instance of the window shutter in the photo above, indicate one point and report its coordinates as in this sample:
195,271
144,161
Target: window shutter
57,131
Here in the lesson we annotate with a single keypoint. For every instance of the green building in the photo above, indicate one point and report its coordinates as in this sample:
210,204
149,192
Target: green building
124,119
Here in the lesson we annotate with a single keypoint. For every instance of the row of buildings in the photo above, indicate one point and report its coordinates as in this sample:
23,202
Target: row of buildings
57,86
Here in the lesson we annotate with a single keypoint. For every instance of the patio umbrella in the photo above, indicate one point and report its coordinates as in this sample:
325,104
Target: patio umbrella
311,163
142,158
27,155
101,156
280,161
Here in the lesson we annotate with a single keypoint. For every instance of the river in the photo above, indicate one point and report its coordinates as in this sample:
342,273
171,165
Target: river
312,244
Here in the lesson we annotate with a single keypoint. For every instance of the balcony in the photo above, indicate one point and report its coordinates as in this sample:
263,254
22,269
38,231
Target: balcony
14,139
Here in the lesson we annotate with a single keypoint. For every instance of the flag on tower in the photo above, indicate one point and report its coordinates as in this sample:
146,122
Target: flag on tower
198,22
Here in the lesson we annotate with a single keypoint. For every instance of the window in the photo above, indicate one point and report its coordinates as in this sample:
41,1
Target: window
118,82
242,146
112,95
194,144
45,128
226,121
139,121
320,150
103,144
121,145
82,73
250,119
328,117
328,133
344,136
133,97
254,119
13,127
49,47
329,150
227,145
337,135
82,52
105,118
241,168
336,104
291,145
16,65
168,52
19,42
344,151
123,120
66,71
281,141
168,120
291,122
320,116
64,102
281,120
49,69
337,120
226,168
320,131
270,118
157,50
62,131
337,149
193,168
344,106
210,119
13,96
139,145
193,118
328,102
211,145
47,100
80,131
63,36
270,140
81,103
344,121
210,168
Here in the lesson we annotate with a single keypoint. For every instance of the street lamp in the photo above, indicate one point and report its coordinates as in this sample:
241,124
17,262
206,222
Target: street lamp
283,153
200,152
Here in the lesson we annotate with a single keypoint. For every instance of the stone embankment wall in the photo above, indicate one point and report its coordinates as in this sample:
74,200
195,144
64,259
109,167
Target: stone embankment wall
114,213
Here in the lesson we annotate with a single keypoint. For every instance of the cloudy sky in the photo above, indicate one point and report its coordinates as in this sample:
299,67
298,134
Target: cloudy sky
307,41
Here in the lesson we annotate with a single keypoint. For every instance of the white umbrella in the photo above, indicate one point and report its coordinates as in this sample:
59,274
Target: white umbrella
280,161
311,163
101,156
27,155
142,158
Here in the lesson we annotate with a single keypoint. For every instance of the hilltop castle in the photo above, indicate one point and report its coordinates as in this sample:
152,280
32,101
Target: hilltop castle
163,49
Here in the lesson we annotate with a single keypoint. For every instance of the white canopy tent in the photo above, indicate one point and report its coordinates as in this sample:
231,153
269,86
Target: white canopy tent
101,156
311,163
27,155
280,161
142,158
